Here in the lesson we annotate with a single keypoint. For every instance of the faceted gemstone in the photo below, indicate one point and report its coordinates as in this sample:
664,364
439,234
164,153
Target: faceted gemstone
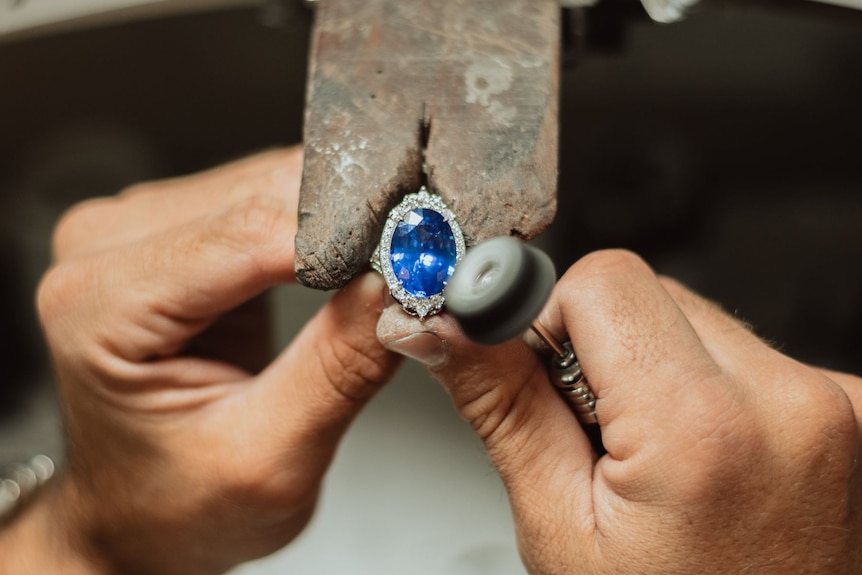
423,252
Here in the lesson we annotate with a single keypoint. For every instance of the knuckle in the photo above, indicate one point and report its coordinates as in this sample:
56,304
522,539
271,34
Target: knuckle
692,303
681,293
823,415
486,412
77,226
615,294
609,265
139,189
592,277
494,414
255,220
352,371
54,292
70,325
804,428
81,227
258,228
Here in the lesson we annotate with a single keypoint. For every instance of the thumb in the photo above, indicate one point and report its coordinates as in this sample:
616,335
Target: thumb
332,368
503,392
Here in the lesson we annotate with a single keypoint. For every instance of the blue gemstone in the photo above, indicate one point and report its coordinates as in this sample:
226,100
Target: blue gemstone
423,252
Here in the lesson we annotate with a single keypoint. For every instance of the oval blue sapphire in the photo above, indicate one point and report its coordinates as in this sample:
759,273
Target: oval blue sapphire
423,252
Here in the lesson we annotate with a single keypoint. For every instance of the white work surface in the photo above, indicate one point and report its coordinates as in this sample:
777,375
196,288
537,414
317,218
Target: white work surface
411,490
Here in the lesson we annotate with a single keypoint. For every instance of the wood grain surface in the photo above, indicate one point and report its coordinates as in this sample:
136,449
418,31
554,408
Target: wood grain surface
459,95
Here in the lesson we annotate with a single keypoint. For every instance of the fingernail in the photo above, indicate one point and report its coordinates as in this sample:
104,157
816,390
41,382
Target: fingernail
424,347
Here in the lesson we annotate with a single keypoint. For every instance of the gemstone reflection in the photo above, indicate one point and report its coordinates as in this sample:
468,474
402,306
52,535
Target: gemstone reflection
423,252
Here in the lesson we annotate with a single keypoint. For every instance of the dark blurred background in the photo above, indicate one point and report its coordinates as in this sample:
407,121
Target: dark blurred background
726,149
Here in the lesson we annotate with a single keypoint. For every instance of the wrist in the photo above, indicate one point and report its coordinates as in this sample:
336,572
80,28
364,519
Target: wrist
46,536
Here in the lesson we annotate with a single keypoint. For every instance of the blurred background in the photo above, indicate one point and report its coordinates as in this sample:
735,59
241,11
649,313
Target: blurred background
726,149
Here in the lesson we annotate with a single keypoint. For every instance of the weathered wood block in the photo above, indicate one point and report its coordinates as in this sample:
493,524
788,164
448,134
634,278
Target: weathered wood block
461,95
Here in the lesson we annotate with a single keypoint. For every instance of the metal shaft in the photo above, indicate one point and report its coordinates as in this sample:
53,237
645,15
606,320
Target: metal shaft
549,339
567,377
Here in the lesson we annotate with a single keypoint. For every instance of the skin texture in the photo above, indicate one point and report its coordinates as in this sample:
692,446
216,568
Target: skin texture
724,456
180,463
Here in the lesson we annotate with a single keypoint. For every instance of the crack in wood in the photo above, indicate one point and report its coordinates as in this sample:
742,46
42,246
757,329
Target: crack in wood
479,78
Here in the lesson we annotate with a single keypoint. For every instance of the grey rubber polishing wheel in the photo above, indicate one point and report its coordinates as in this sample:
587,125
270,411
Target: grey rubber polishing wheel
499,288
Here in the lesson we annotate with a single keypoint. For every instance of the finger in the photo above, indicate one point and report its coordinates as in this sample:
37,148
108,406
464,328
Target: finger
310,394
643,359
503,392
729,340
154,207
852,384
146,300
740,353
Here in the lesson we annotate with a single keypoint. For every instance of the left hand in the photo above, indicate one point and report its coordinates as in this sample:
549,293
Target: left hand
180,463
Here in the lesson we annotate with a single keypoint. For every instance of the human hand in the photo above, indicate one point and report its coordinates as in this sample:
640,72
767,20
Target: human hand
724,456
177,463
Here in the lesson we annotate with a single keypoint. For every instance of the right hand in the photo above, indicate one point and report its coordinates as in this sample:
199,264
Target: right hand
724,456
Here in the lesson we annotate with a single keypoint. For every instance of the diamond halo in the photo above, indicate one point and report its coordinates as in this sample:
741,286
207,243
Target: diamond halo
381,260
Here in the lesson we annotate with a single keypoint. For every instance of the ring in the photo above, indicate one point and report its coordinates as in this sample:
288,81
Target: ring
573,386
420,246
